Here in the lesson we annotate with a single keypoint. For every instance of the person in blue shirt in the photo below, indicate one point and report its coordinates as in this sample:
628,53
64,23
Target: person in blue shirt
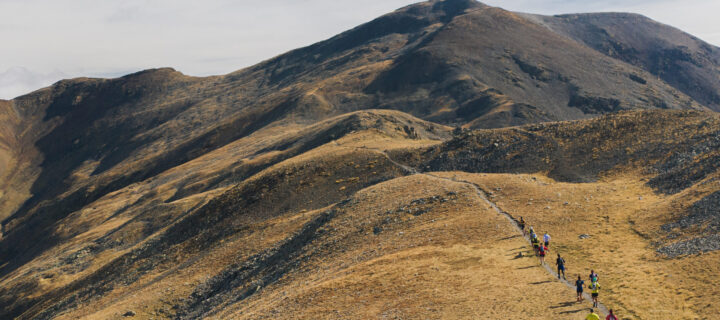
579,287
593,276
560,262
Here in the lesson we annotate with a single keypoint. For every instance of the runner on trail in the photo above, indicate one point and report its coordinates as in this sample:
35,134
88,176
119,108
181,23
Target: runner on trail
611,316
542,250
560,262
546,239
593,276
521,224
592,315
535,242
594,291
579,287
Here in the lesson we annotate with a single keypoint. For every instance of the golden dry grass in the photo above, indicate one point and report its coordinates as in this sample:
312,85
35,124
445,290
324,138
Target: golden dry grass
457,261
637,282
18,158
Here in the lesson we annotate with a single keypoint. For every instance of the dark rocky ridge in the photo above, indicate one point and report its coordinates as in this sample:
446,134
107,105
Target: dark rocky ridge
580,151
705,213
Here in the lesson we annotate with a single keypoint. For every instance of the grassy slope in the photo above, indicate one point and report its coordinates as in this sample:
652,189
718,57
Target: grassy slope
100,237
382,253
333,229
18,157
637,282
464,63
621,206
456,260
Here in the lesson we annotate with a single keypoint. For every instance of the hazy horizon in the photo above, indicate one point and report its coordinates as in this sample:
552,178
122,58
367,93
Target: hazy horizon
66,39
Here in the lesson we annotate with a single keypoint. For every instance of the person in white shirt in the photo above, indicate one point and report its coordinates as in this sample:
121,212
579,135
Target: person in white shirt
546,239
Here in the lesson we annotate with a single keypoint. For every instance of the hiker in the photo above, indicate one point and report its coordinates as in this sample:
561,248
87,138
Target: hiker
560,262
533,236
592,315
521,224
542,250
535,243
546,239
579,287
531,232
593,276
595,291
611,316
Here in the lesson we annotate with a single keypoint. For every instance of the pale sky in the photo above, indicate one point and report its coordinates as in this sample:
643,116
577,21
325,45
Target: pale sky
43,41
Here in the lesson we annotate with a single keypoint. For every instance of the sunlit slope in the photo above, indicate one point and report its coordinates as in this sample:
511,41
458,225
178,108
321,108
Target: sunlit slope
343,227
454,62
324,174
99,238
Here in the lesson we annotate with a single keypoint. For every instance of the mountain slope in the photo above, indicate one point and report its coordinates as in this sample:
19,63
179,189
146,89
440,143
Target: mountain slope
681,60
476,69
453,62
320,224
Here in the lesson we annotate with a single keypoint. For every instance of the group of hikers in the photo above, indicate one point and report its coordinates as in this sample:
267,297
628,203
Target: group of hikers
541,249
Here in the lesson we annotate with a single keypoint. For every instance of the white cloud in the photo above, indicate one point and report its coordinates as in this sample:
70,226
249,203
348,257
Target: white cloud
18,80
104,38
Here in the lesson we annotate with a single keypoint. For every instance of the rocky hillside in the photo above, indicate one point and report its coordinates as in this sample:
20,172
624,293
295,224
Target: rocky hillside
681,60
169,196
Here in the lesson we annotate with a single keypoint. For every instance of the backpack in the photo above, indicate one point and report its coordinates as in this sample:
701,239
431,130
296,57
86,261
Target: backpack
593,277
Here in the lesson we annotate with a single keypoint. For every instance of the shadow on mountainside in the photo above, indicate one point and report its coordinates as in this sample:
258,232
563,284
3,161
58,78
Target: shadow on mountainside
253,200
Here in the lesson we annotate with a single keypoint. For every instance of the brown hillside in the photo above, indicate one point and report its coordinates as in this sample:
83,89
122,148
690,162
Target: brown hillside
454,62
682,60
339,230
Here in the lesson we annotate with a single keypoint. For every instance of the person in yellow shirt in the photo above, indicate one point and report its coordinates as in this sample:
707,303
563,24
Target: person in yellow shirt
592,315
594,292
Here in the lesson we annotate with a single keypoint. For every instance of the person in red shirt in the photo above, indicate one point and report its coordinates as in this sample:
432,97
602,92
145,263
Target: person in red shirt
542,250
611,316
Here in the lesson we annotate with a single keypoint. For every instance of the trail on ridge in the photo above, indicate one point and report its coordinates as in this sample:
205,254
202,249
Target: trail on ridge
483,195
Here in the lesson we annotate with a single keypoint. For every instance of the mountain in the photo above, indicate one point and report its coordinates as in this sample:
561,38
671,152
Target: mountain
309,184
681,60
